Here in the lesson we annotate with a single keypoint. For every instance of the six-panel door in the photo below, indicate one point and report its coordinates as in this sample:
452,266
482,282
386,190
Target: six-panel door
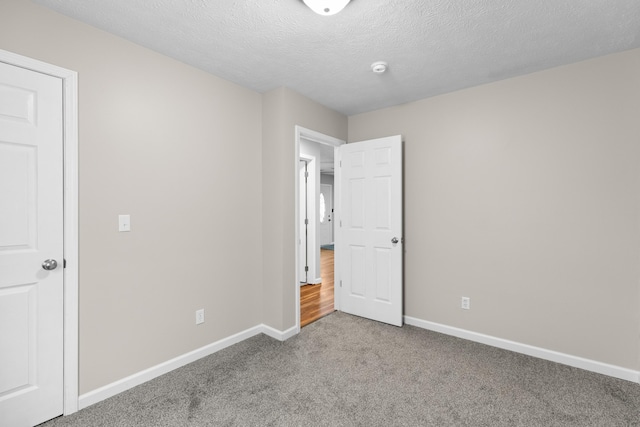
31,232
370,223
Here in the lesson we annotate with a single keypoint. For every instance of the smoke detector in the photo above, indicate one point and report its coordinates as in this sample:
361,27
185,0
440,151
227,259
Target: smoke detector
379,67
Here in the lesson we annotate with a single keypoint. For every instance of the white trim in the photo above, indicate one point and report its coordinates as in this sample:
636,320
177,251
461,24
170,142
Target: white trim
318,137
311,135
70,143
280,335
313,255
141,377
529,350
337,235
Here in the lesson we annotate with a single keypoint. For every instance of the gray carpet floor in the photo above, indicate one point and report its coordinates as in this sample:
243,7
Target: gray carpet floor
347,371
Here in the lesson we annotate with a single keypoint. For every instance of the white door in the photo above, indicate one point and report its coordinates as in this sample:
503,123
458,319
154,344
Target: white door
31,231
303,267
326,214
370,243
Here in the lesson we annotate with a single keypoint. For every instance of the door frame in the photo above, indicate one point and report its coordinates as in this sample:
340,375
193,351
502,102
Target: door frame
70,206
306,229
312,242
313,136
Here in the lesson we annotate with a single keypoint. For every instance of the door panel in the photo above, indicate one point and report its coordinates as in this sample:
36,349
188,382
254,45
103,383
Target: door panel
358,278
371,182
15,305
18,164
31,231
382,265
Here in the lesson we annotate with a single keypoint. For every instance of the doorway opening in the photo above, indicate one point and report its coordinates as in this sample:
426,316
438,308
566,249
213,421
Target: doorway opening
317,300
315,217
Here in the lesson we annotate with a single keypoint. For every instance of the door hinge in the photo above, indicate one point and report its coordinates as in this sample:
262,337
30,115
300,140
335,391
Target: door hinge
340,283
306,268
64,263
306,174
306,222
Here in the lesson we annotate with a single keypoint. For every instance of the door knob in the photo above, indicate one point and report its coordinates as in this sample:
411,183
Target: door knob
394,240
50,264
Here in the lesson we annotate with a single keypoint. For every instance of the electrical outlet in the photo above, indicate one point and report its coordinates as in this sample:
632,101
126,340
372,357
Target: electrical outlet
465,303
199,316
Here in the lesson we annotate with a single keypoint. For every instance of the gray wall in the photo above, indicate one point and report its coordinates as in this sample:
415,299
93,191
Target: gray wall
326,179
157,140
524,195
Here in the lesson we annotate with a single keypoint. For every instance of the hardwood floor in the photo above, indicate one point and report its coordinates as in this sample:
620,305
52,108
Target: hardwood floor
316,301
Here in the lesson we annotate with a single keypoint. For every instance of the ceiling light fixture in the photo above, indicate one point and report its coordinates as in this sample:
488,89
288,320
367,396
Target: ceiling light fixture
379,67
326,7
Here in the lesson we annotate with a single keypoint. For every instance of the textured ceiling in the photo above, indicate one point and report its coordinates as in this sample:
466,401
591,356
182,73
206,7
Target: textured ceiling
432,46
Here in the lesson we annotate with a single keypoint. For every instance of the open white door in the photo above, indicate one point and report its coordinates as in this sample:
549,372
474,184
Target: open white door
370,227
31,247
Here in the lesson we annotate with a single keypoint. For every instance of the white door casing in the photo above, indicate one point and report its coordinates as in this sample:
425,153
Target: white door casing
302,134
370,229
31,231
312,195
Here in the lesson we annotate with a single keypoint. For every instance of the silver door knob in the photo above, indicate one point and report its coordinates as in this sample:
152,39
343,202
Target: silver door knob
50,264
394,240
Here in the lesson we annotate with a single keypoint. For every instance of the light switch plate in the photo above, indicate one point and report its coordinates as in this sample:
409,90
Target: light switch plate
200,316
124,223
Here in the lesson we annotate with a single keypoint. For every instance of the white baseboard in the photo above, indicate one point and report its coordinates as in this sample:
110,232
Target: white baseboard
541,353
280,335
131,381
